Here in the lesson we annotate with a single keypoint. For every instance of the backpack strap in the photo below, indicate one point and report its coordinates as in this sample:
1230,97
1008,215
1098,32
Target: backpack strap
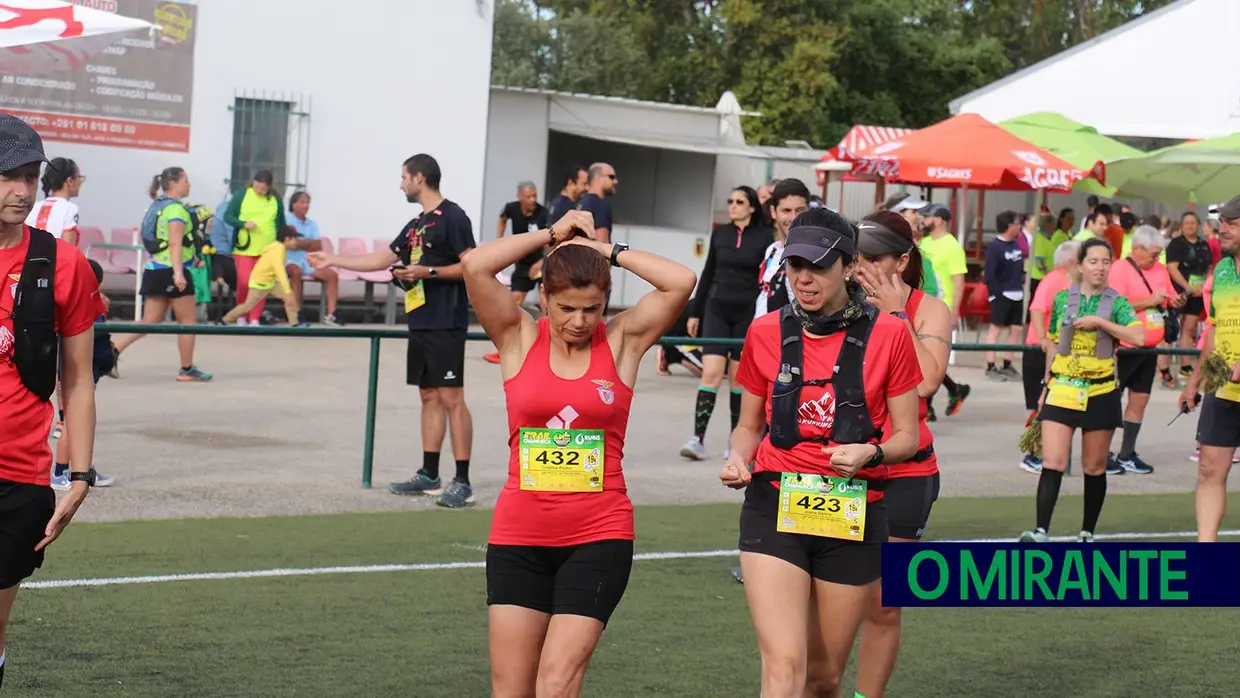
1066,330
35,343
853,424
1105,347
786,392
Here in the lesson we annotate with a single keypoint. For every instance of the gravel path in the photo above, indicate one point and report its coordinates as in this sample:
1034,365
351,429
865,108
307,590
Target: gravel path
280,430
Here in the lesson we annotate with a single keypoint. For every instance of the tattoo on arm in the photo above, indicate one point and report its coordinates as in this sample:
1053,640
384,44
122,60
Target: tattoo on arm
933,336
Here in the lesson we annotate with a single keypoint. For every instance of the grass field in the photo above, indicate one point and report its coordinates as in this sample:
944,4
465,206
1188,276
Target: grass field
682,630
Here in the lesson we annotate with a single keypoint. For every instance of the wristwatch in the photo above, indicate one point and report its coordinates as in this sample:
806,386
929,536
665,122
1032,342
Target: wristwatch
88,477
878,457
616,249
432,273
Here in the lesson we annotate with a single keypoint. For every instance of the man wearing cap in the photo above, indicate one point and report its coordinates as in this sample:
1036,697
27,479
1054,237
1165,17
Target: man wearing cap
948,260
1218,429
911,207
30,516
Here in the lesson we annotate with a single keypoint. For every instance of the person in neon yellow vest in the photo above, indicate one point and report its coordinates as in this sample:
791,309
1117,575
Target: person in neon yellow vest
257,214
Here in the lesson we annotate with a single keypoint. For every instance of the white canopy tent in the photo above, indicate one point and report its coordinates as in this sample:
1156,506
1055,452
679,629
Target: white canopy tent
1183,82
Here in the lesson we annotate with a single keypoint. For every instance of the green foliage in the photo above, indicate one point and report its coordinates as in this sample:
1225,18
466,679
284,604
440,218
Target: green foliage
813,68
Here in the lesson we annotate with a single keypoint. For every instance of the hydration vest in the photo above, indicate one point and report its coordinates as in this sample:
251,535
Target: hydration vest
852,418
1105,347
35,344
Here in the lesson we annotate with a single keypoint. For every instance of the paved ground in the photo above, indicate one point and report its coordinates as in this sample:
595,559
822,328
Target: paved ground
280,432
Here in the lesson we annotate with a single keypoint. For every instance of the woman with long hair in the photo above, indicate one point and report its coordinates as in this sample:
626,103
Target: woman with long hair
1088,321
56,213
889,270
723,306
165,281
840,413
561,543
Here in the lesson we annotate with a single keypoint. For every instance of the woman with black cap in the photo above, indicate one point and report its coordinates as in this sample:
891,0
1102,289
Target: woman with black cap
839,413
889,271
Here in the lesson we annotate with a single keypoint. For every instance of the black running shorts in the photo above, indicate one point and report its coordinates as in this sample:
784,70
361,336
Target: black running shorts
435,359
854,563
1137,372
1219,424
909,500
1101,413
578,580
725,320
24,513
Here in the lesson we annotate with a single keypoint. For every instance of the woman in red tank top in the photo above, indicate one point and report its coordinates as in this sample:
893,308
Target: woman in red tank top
890,272
561,543
814,518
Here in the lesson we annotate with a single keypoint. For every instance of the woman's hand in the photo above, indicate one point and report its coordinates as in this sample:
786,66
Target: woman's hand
250,225
735,474
694,325
573,224
1179,301
847,459
1089,322
178,280
885,294
1049,346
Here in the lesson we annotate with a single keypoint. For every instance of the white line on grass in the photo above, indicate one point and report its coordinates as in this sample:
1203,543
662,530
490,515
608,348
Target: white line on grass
436,566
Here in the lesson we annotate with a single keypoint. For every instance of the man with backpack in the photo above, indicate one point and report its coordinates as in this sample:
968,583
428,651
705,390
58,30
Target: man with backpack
48,309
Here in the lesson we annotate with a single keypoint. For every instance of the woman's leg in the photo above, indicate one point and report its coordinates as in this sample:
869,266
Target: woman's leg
714,365
1212,470
154,310
778,593
1095,446
1188,340
184,312
566,653
734,392
1056,448
290,304
880,643
244,267
515,636
836,612
253,300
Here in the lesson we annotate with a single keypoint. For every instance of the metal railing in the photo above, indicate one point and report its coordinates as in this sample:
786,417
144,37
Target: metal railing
376,334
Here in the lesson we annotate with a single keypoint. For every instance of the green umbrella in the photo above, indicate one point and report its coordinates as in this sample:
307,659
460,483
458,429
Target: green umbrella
1077,143
1199,171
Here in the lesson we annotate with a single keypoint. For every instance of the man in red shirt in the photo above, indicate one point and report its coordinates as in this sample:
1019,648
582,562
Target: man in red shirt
30,517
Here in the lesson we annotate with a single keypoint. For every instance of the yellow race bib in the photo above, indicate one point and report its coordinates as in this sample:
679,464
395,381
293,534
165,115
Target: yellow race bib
1068,393
820,505
559,460
415,297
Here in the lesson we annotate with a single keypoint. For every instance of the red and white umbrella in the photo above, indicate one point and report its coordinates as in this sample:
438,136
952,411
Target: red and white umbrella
45,36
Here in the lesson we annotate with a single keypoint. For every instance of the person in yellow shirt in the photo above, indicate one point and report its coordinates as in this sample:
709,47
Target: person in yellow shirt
270,279
948,260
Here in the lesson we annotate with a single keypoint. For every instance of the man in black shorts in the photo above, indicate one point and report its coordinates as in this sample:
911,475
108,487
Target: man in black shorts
425,260
1005,287
50,305
690,357
526,216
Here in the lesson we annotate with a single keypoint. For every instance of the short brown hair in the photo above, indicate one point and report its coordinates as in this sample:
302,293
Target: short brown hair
576,266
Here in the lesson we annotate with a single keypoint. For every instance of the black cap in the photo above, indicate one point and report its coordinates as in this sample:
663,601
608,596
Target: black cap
937,211
818,246
19,143
1230,210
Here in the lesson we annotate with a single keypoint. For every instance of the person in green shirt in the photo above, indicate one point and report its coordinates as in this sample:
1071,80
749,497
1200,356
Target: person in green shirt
257,214
948,260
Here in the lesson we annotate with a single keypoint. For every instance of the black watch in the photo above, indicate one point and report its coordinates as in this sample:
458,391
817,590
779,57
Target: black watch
878,457
616,249
88,477
432,273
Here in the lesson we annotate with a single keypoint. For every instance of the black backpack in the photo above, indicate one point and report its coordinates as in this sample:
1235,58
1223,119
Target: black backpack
35,342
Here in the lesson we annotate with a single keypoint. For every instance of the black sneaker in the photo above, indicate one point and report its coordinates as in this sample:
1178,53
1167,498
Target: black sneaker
1113,466
956,400
1134,465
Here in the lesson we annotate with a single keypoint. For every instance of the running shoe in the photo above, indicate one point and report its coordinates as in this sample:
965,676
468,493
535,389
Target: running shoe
1011,372
193,374
58,429
458,495
419,484
694,450
1168,381
994,374
302,324
736,574
1038,535
930,415
1135,465
1196,456
491,358
1113,466
332,321
1085,537
956,400
1031,465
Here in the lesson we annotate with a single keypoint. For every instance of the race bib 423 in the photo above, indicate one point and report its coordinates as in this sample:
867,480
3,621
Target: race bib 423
821,505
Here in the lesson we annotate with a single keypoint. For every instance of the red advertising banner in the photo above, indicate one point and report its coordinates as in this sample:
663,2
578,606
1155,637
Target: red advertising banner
135,94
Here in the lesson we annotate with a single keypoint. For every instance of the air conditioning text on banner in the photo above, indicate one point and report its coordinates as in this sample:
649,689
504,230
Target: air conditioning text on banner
1068,575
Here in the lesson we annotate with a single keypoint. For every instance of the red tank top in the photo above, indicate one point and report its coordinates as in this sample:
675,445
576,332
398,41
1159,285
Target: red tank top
925,438
539,399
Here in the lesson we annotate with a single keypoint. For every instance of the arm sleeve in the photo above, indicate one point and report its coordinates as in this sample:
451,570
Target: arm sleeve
903,371
233,215
991,268
957,262
1058,303
78,303
748,373
1122,313
462,234
698,306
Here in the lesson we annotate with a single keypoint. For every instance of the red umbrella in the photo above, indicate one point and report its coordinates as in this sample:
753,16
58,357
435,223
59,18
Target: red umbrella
967,150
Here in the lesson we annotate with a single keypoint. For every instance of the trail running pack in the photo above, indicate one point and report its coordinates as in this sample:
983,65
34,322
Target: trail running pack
35,344
150,225
1105,346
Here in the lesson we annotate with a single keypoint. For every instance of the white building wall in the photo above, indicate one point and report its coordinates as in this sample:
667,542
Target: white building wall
388,78
1185,81
516,150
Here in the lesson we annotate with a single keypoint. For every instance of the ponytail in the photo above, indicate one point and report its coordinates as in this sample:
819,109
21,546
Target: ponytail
57,173
155,188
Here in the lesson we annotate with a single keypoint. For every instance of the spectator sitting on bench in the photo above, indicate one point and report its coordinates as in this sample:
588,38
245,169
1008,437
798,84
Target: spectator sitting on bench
269,278
299,269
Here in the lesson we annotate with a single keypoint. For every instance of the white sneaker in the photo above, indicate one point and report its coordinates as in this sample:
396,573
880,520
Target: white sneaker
693,450
242,322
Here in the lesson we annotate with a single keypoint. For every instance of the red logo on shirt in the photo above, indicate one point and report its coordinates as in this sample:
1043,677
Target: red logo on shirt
818,413
605,393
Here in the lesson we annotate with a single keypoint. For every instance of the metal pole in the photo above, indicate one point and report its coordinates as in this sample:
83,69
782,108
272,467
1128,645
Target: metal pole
372,397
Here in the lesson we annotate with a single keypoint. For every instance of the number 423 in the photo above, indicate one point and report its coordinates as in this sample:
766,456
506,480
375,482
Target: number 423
827,504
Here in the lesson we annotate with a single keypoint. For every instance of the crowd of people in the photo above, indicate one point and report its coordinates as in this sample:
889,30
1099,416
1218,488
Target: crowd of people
846,327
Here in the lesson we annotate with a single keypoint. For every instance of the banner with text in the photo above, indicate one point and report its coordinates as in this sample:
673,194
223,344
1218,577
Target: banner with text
135,94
